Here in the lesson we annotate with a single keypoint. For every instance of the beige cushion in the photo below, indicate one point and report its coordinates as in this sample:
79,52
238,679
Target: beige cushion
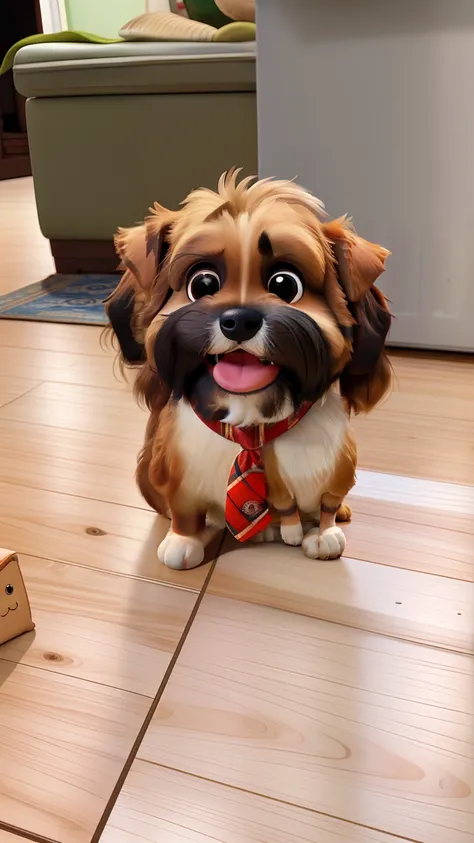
163,26
238,9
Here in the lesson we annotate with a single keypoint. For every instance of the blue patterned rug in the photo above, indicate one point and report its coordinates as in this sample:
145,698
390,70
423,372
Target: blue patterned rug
61,298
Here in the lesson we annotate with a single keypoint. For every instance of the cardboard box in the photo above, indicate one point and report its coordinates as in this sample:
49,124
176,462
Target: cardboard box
15,611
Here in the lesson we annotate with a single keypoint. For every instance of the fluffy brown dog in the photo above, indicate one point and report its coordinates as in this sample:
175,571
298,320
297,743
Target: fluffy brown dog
257,331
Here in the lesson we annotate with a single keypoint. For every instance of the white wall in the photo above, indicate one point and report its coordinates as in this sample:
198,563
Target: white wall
102,17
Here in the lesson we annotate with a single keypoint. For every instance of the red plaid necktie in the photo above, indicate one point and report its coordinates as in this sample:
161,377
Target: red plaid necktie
247,511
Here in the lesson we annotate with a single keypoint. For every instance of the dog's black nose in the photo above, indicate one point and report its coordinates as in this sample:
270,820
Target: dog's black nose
241,323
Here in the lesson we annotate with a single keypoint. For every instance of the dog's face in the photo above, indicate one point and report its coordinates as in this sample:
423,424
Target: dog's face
245,303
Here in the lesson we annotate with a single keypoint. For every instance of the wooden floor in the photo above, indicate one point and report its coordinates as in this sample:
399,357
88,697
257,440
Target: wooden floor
263,698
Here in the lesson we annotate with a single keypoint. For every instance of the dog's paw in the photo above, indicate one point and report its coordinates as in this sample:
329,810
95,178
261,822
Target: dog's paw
269,534
328,545
181,552
292,534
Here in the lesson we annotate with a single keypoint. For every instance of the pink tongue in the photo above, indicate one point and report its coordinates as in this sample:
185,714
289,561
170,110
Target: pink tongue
242,372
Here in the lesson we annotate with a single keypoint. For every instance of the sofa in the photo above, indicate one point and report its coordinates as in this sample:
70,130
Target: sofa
114,127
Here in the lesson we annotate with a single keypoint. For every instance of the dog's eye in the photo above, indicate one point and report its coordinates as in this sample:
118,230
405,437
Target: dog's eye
203,282
287,285
9,589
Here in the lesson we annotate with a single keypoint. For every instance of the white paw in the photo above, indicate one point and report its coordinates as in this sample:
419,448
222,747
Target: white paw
328,545
292,534
181,552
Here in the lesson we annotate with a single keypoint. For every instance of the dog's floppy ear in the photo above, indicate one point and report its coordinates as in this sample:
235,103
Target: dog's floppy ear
143,288
368,375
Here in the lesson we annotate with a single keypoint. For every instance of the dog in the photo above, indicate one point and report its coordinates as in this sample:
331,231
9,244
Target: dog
257,331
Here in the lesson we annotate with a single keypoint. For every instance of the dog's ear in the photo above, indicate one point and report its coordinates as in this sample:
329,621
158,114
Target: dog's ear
143,287
367,377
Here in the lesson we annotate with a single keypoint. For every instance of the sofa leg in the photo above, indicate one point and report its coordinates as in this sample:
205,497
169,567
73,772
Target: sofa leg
77,256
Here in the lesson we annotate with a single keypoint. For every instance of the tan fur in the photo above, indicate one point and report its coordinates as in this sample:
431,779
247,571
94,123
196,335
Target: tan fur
226,225
279,495
339,485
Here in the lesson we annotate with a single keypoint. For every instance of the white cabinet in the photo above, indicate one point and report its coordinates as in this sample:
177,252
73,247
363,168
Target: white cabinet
370,104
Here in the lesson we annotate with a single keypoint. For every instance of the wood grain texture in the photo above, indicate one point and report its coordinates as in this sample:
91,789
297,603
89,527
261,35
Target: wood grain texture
358,726
51,336
12,388
426,427
115,631
8,837
404,541
378,598
95,369
64,743
158,805
422,447
106,412
413,523
434,385
89,465
93,534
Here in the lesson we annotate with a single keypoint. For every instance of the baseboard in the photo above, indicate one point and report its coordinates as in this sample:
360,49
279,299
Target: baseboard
71,256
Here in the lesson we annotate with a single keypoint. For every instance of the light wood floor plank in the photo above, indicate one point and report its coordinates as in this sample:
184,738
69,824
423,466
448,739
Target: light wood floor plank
64,743
82,369
163,806
401,540
433,406
434,386
108,412
358,726
90,465
413,523
115,631
12,388
50,336
26,255
439,372
427,516
403,604
418,446
8,837
94,534
447,498
426,427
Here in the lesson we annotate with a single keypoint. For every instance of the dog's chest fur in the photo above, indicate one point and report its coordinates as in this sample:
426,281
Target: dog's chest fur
306,455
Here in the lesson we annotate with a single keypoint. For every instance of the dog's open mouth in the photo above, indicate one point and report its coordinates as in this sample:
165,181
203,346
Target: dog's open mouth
241,372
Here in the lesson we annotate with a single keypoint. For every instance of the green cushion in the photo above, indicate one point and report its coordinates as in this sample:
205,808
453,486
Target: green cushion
134,67
236,31
207,12
51,37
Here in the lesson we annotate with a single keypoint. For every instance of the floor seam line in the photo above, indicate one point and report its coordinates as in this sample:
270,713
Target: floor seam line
392,637
58,673
280,801
22,395
57,560
24,833
154,705
80,497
